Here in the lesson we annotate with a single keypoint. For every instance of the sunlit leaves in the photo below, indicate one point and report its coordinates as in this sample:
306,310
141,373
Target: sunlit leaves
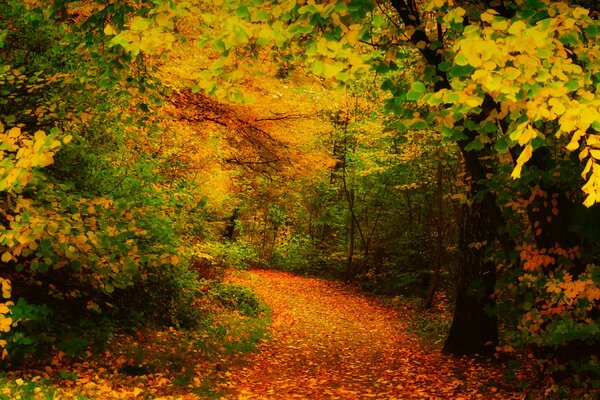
526,67
21,153
151,34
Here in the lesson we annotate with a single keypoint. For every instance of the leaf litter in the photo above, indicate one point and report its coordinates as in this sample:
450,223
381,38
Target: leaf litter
328,341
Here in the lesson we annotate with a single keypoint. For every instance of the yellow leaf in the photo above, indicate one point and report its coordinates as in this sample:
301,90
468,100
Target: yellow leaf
39,135
14,132
593,140
588,167
109,30
516,172
574,143
500,25
6,257
584,153
523,158
162,19
590,200
140,24
517,28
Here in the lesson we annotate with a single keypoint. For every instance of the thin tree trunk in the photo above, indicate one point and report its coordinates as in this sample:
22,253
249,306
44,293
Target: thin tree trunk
350,262
439,239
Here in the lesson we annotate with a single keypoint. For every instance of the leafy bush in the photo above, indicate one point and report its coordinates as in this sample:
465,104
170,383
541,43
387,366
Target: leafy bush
237,255
166,296
412,284
293,254
238,298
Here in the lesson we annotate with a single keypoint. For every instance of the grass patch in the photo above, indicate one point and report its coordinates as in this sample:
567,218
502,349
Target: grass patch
429,326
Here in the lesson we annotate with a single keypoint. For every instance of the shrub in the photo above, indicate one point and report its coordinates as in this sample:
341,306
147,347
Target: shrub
238,298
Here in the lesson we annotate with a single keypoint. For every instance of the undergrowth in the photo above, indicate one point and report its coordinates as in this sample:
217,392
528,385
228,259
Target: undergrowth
152,361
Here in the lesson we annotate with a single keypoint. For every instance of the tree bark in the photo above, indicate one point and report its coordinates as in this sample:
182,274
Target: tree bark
474,328
439,239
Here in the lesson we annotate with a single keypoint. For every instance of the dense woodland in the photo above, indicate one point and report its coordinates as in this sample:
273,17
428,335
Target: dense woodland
440,153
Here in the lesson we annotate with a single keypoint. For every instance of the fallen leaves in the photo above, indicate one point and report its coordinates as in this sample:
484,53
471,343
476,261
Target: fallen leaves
328,341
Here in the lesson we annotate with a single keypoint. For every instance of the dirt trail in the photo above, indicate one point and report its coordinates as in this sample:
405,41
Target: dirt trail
329,342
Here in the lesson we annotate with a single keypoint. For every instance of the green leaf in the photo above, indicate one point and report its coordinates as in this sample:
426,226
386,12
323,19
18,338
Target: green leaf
474,145
3,34
242,12
308,9
418,125
501,145
43,268
444,66
418,87
452,135
570,38
572,86
413,96
109,288
298,29
261,16
470,125
593,30
458,71
378,21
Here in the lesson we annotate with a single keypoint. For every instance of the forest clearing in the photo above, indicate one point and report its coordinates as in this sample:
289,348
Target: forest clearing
300,199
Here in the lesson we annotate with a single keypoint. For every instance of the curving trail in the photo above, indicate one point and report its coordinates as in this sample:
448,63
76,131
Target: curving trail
329,342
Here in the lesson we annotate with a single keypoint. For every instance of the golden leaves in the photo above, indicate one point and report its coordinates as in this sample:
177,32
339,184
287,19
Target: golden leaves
21,153
5,320
529,70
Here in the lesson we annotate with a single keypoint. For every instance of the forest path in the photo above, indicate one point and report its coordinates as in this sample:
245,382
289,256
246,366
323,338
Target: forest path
329,342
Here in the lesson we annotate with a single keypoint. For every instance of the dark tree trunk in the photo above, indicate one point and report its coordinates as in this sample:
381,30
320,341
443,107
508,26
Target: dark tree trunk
474,328
229,233
439,242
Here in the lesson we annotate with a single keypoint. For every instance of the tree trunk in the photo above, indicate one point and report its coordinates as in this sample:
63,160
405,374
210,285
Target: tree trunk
350,262
229,233
474,329
439,240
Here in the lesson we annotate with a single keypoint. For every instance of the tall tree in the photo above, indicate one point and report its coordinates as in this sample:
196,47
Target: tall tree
506,81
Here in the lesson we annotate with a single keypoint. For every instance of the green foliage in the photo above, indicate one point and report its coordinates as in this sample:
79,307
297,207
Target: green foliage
166,296
294,253
238,254
431,327
83,234
238,298
409,284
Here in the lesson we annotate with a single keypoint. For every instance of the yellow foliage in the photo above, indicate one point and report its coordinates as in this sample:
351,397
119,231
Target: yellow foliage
20,154
529,70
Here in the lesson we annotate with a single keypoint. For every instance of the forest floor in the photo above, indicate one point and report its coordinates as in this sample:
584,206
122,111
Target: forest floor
320,340
327,341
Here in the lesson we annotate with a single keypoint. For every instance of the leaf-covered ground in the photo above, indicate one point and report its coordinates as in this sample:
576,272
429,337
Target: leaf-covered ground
326,341
330,342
